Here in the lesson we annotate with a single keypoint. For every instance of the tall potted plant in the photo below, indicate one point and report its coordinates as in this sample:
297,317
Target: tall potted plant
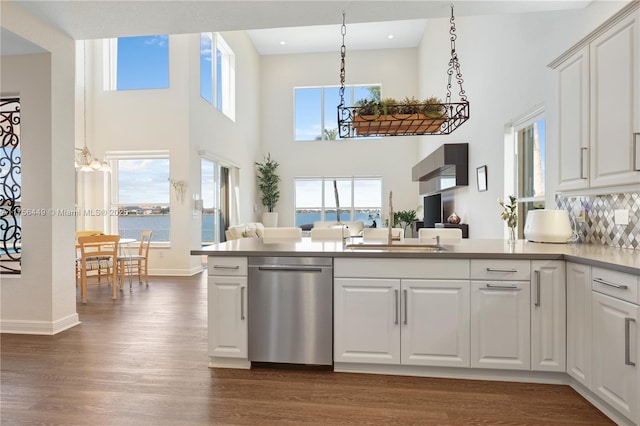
268,181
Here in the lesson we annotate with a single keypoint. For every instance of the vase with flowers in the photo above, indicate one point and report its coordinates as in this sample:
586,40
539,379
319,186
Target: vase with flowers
510,216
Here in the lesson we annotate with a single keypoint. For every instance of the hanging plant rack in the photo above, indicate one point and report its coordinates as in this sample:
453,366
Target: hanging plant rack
356,124
406,118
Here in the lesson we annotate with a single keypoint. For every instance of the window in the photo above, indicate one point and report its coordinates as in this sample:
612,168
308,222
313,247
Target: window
11,188
206,67
316,109
141,195
138,62
529,146
359,199
217,73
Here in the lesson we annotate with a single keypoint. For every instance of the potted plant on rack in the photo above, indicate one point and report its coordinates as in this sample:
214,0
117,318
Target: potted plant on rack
268,181
389,117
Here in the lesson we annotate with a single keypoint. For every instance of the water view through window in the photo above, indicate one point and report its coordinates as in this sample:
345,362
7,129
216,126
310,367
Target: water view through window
143,197
359,199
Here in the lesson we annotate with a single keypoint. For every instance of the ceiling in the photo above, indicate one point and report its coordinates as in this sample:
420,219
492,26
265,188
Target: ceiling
303,26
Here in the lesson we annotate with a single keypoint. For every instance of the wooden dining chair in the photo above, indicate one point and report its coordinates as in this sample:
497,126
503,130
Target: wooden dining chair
98,252
85,233
130,263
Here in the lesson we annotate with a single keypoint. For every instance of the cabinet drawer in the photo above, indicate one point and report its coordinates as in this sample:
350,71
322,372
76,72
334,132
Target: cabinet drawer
615,284
500,269
223,265
401,268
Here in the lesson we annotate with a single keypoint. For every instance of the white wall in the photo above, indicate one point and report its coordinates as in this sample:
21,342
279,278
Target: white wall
504,64
177,119
390,157
42,299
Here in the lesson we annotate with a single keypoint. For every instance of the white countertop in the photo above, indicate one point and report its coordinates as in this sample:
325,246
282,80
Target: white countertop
624,260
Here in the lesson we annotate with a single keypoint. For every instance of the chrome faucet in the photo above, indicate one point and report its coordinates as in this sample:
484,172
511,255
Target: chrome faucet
390,237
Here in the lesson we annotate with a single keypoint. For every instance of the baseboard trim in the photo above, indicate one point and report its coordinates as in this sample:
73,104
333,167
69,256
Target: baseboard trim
47,328
456,373
220,362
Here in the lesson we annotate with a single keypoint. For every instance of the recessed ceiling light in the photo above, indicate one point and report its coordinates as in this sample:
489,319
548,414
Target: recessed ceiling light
390,36
282,43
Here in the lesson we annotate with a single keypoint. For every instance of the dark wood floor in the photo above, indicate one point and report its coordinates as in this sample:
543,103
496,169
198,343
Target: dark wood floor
142,360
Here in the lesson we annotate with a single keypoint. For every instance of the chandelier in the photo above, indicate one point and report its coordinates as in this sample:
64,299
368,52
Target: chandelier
86,162
376,117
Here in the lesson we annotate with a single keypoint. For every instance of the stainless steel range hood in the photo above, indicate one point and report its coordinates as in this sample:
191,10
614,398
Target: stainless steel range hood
445,168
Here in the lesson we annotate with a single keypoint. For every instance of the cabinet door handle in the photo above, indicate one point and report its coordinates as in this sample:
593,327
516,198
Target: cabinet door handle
242,317
226,267
501,287
406,307
501,270
627,338
397,316
636,152
583,161
610,284
537,303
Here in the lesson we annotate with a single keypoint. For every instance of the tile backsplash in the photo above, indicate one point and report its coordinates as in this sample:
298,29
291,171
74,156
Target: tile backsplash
598,226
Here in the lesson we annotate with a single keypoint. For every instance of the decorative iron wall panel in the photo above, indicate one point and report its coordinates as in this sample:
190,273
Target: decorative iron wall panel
599,226
10,187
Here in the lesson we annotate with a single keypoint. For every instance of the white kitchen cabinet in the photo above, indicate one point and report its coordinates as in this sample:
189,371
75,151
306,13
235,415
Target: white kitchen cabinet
367,320
579,322
616,349
227,299
616,340
615,104
435,323
548,315
599,106
573,120
401,311
393,321
500,325
500,314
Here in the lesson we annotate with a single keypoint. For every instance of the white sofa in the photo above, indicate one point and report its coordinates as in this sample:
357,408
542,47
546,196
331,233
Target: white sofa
352,229
245,230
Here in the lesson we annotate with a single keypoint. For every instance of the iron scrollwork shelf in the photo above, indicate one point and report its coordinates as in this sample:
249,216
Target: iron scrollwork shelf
353,123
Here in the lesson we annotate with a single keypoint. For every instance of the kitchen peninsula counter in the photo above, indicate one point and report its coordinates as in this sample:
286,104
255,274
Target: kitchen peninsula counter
623,260
479,309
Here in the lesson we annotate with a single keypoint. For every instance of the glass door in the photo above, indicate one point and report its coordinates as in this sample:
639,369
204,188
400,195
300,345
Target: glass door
215,187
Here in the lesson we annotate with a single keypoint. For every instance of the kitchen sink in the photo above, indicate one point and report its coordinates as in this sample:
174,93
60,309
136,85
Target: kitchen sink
394,247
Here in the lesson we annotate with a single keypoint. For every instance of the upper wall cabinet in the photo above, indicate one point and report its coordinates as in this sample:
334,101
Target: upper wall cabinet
599,106
445,168
573,109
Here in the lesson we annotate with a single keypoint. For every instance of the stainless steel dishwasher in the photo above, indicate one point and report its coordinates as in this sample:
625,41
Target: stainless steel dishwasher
290,310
